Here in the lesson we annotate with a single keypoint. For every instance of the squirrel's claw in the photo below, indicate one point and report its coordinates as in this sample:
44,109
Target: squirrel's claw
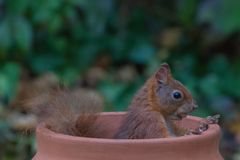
202,127
213,119
199,130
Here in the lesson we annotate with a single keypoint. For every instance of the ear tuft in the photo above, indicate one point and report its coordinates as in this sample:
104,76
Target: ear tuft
165,65
163,74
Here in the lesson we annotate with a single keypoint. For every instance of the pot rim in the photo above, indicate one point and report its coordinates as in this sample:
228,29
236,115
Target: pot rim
212,131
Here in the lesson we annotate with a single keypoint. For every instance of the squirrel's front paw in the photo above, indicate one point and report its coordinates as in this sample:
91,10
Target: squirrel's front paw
199,130
203,126
213,119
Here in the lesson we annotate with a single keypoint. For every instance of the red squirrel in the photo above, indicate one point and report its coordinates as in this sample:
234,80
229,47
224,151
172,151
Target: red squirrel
157,105
152,113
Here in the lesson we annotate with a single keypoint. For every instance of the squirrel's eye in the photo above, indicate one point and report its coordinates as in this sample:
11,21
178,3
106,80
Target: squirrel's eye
177,95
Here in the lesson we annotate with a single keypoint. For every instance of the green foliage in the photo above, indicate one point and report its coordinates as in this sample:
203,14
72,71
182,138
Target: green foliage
187,12
9,78
223,14
199,39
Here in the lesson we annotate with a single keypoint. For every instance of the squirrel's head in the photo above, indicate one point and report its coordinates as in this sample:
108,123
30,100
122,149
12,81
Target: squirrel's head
175,100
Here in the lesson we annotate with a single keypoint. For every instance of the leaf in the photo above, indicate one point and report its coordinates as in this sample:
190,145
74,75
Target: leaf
3,84
209,85
45,62
5,133
17,7
5,34
9,77
127,95
43,11
187,11
230,83
142,53
219,65
222,14
112,92
55,24
22,33
69,75
85,56
97,13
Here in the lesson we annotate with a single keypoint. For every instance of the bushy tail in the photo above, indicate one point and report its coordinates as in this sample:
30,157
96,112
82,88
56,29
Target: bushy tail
68,112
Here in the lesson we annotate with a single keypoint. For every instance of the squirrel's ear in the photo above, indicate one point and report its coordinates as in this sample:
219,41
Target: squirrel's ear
163,74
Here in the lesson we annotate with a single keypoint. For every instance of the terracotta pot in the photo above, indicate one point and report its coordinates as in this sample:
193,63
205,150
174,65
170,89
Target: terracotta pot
55,146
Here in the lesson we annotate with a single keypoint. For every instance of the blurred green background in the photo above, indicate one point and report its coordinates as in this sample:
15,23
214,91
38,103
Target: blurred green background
112,46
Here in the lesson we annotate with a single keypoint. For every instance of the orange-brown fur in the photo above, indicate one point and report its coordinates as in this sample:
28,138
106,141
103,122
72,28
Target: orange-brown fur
69,112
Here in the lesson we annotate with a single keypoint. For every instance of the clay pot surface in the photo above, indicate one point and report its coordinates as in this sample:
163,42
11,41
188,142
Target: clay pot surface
55,146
